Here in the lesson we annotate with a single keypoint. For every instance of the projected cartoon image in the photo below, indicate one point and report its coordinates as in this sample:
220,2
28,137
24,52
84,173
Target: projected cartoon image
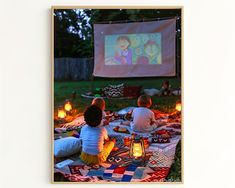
124,55
131,49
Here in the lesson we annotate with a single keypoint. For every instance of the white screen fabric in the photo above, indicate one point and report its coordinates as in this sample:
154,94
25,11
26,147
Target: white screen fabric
140,49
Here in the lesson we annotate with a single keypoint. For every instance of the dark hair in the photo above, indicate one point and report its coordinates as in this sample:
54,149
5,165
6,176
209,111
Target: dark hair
124,38
166,82
93,116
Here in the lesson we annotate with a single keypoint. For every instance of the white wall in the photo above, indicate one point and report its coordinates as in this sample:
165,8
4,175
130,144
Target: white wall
25,68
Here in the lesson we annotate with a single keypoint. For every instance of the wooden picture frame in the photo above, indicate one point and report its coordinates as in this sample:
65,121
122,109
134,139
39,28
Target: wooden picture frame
178,77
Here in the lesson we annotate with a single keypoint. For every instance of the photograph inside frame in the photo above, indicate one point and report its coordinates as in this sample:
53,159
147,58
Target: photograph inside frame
117,95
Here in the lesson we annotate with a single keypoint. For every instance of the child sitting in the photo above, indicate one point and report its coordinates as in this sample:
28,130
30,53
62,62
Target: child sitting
166,89
143,117
100,103
93,136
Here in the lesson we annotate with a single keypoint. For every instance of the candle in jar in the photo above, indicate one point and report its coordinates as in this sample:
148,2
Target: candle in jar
61,113
137,150
68,106
178,106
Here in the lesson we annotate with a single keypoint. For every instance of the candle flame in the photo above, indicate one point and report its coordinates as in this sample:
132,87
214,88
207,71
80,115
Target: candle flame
137,150
178,107
61,114
68,106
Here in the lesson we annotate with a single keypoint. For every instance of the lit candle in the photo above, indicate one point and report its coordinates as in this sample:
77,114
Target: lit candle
137,150
61,113
68,106
178,106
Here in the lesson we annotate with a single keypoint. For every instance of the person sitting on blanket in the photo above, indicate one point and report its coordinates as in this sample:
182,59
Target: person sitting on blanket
143,118
100,102
166,89
96,145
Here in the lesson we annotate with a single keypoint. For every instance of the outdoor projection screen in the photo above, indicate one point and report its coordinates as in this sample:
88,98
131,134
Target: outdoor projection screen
140,49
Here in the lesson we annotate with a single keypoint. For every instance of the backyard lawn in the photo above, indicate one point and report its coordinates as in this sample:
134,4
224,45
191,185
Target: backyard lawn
64,90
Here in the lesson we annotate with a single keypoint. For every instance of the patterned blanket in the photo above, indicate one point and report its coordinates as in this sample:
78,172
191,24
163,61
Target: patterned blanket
119,167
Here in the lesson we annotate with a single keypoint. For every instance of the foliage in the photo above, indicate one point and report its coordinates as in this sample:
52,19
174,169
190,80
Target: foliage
72,33
73,28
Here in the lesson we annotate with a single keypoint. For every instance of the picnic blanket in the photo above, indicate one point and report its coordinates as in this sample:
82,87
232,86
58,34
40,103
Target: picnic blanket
119,167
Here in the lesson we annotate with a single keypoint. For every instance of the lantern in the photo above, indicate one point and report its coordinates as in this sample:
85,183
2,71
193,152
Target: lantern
68,106
178,106
137,151
61,113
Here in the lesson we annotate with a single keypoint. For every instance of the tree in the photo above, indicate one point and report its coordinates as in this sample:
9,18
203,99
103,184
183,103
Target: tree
73,28
72,33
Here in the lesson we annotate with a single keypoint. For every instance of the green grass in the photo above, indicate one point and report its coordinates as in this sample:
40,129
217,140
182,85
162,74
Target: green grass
63,91
175,172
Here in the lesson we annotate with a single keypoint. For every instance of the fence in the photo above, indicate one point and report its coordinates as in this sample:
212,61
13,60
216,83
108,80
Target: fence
72,69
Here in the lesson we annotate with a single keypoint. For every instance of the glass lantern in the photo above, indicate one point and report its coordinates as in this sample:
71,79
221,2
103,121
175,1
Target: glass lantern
137,151
68,106
61,113
178,106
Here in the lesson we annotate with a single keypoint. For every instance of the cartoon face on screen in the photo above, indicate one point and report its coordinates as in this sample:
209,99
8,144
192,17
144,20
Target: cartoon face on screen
133,49
152,50
123,42
124,56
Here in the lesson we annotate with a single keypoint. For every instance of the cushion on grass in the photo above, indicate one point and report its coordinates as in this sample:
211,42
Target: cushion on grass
177,92
151,92
114,91
67,146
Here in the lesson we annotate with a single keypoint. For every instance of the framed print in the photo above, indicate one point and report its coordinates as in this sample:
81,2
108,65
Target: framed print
117,94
